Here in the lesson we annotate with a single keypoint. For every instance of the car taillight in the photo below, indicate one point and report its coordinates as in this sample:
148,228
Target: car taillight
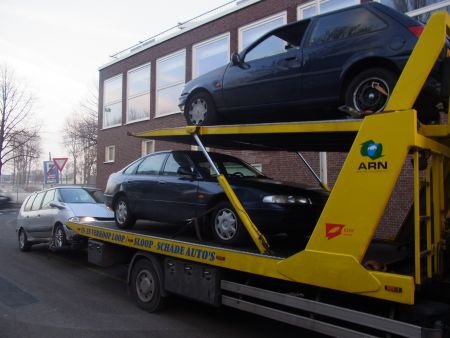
416,30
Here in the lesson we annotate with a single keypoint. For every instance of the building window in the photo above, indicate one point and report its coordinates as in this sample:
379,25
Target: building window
138,94
110,154
255,30
112,102
211,54
170,78
419,10
316,7
147,147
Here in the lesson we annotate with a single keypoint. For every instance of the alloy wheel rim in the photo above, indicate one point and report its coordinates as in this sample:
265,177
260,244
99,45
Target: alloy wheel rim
59,238
367,97
225,224
121,212
145,286
21,239
198,111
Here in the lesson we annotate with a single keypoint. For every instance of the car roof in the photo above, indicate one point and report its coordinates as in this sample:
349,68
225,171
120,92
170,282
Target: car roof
66,187
386,10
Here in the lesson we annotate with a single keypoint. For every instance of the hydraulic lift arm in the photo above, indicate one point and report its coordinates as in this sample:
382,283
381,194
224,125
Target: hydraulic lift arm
257,237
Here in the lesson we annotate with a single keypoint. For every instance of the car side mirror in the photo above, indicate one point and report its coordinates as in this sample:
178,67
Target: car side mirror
57,205
236,59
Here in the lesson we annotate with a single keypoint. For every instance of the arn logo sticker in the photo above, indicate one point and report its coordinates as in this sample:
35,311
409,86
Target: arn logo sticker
374,151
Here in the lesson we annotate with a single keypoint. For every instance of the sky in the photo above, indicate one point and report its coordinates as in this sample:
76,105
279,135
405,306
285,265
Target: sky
56,47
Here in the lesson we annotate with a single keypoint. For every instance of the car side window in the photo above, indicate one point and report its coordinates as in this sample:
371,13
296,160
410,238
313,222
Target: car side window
151,165
132,168
343,25
175,162
29,202
49,197
37,201
279,42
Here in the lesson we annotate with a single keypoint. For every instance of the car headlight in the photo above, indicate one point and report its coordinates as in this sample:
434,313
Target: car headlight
84,219
286,199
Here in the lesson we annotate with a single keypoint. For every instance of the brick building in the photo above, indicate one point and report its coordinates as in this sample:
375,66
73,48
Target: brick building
139,89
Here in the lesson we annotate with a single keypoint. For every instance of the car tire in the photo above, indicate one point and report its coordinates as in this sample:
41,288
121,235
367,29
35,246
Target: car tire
59,238
24,244
226,226
362,93
145,285
122,214
200,110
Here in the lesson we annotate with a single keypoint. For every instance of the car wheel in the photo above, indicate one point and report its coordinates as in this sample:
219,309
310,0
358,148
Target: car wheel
200,110
122,215
369,90
24,244
59,238
146,286
227,228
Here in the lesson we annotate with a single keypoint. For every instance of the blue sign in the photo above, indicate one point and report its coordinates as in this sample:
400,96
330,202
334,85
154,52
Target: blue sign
51,173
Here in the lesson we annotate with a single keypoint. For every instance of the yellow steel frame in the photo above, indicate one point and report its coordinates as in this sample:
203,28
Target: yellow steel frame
333,256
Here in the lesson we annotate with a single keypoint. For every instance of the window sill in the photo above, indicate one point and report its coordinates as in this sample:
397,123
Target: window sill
113,126
136,121
167,114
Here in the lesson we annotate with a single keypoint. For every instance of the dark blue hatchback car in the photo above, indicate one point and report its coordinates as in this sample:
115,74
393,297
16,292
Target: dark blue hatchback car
351,57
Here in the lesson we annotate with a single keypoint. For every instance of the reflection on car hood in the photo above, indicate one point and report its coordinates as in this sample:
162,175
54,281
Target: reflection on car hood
90,209
277,187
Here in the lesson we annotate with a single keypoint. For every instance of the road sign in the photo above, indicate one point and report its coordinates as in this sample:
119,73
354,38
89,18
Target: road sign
51,173
60,162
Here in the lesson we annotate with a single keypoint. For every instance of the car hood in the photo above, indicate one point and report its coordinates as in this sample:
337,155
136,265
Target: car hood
269,186
206,80
90,209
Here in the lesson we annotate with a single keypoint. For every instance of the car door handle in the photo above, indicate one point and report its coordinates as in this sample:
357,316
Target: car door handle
162,182
290,58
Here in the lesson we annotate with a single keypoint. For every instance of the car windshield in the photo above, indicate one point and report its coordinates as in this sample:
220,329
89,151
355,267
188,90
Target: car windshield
76,196
230,167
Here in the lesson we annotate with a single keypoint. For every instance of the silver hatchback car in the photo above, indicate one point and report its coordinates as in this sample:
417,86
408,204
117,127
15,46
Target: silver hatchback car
42,215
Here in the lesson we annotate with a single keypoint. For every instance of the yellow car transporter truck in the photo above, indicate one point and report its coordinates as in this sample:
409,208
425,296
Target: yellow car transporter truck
327,286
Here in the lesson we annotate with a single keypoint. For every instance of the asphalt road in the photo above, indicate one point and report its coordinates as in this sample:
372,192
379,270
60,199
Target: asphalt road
47,294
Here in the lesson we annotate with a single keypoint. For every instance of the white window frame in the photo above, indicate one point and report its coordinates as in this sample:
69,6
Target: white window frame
257,166
205,43
112,102
140,94
260,22
144,147
107,154
162,59
315,3
426,9
196,148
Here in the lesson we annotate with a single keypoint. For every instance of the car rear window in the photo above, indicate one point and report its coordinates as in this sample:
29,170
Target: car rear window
344,24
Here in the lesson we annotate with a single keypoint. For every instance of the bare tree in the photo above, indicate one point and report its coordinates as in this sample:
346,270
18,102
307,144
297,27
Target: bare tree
16,106
24,155
73,143
81,139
